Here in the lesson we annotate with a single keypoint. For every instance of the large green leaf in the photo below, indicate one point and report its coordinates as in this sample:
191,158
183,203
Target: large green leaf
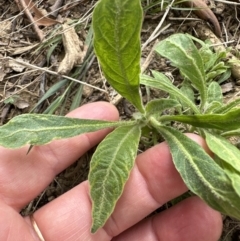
229,156
201,174
40,129
117,25
228,121
162,82
110,168
183,54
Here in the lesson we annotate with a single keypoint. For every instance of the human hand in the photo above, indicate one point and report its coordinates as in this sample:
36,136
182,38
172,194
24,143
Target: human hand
153,182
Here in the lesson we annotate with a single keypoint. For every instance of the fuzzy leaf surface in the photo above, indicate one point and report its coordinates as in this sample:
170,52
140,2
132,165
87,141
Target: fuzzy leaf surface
201,174
183,54
156,107
188,91
231,133
109,170
211,108
214,98
229,156
117,25
228,121
41,129
163,83
214,93
229,106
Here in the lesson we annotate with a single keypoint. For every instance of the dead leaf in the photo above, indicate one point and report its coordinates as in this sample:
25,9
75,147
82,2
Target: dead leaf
38,16
227,87
21,104
16,66
17,101
73,52
5,28
87,91
201,9
2,75
21,50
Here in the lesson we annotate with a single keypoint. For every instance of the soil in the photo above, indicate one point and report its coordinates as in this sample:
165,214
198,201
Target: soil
38,49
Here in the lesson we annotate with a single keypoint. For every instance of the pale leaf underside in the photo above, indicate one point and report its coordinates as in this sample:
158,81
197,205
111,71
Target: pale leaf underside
229,156
110,168
201,174
40,129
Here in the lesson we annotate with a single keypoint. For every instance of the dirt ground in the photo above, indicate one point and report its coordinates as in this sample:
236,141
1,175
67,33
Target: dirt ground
32,56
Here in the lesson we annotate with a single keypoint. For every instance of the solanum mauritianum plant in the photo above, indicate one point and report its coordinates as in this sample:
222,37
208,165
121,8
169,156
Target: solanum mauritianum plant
197,105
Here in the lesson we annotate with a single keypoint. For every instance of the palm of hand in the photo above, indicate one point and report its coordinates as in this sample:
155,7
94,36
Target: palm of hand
153,182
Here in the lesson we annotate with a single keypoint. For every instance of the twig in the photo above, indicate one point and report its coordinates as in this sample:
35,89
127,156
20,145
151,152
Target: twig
53,73
31,19
149,58
228,2
153,35
56,7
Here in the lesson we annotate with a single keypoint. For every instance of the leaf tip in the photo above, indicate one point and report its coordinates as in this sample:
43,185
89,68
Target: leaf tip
95,227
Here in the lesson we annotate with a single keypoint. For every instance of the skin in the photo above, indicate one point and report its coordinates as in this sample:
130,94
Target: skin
153,182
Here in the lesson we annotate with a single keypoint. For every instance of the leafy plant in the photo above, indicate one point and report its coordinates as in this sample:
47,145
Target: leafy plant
117,26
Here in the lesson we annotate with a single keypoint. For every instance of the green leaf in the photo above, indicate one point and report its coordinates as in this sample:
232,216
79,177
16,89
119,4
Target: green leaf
54,105
156,107
229,106
228,121
110,168
219,66
214,98
52,90
50,51
183,54
188,91
76,101
211,108
231,133
200,173
164,84
226,75
117,25
223,149
229,156
207,57
213,74
40,129
12,99
214,93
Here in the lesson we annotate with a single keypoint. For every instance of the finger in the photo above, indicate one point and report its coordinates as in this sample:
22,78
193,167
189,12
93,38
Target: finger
153,181
23,177
189,220
13,227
